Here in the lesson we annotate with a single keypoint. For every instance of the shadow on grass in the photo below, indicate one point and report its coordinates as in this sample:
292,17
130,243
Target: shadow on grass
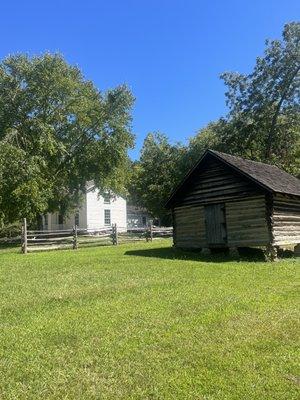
172,253
7,246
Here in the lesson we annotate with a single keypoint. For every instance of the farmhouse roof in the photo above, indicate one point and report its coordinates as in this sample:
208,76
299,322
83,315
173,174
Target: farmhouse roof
268,176
136,209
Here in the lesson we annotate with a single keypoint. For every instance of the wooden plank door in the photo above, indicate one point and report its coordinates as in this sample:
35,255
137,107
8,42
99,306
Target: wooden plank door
215,224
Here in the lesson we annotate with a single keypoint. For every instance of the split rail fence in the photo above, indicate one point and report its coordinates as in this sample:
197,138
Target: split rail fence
39,240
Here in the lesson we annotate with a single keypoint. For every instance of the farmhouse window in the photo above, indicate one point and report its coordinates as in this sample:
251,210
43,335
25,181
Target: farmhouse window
106,198
107,218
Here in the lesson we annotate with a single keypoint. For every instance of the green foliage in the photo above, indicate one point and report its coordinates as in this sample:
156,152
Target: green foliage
156,174
57,131
206,138
264,115
263,124
145,321
264,118
23,191
10,231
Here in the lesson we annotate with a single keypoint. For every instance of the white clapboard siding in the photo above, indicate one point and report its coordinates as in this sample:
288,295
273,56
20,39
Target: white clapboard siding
96,206
91,213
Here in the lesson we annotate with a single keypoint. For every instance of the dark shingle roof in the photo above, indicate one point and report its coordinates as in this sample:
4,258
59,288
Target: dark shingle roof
270,176
267,176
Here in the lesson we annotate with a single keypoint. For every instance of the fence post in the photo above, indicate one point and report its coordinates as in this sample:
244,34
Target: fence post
24,236
151,233
113,233
116,235
75,241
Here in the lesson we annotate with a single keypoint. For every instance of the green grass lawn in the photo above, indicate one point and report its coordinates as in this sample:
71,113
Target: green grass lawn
143,321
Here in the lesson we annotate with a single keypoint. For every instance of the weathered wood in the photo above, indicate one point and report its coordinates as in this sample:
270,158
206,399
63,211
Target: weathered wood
50,235
49,239
245,219
254,216
46,232
215,224
48,243
284,229
91,236
286,219
94,242
288,240
24,237
75,239
282,218
190,226
217,183
249,243
116,235
151,232
246,222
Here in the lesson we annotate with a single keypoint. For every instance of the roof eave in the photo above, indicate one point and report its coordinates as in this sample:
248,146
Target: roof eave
262,185
168,204
185,178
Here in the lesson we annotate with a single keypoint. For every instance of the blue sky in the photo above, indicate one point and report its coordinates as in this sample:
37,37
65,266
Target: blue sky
170,53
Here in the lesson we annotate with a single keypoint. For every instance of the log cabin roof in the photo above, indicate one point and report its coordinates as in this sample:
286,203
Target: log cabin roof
269,177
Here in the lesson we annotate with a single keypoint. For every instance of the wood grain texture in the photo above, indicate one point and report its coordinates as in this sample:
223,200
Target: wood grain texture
286,219
217,183
247,223
189,227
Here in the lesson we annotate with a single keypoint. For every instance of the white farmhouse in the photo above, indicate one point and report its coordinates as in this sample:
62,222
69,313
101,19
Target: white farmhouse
95,212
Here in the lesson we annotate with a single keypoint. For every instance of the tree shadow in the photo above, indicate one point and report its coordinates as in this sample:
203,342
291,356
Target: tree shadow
8,246
172,253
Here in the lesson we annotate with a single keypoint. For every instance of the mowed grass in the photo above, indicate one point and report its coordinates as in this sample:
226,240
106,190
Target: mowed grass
144,321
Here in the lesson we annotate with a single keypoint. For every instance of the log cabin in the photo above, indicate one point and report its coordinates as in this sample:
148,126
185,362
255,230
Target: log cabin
229,202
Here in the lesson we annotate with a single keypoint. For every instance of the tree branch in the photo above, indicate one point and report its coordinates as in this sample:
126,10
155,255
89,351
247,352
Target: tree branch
276,113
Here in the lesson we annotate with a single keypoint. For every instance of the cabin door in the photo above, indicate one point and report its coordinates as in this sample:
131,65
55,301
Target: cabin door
215,225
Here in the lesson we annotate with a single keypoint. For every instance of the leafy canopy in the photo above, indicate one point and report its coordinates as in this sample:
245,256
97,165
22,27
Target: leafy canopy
263,124
57,131
156,173
264,106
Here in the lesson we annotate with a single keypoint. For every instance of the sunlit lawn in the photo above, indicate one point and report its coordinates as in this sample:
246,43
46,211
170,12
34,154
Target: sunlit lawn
143,321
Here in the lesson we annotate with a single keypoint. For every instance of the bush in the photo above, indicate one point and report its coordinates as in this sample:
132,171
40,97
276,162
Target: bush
10,231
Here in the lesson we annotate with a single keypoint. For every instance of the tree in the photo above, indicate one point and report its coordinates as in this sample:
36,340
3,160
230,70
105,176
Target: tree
263,124
264,119
206,138
57,131
156,173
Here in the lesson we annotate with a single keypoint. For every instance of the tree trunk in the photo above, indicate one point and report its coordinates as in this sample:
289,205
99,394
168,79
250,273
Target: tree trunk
276,114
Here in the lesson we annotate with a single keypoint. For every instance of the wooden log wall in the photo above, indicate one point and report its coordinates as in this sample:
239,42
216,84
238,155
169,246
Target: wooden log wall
286,219
246,222
217,183
189,227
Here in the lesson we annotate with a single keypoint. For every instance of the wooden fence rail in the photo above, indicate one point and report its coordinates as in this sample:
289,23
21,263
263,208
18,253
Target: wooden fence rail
38,240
